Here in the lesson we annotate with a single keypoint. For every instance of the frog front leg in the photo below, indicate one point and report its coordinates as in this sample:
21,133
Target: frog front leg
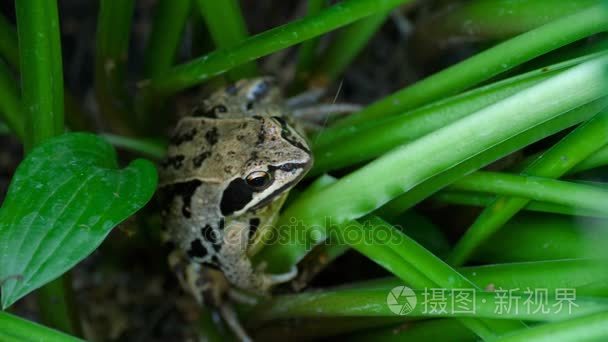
237,267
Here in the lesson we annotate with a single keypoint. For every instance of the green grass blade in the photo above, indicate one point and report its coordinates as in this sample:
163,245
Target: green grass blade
148,148
4,128
13,328
111,53
484,200
345,47
415,123
8,43
203,68
372,303
584,275
526,188
356,299
489,63
227,27
593,327
599,158
362,142
307,54
41,69
571,150
443,179
9,49
411,262
11,108
491,20
167,28
536,237
382,180
57,305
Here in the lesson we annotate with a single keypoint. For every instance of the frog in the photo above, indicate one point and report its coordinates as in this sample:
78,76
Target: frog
229,167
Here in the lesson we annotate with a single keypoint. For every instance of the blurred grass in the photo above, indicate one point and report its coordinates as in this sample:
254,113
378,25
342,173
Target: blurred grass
569,194
535,237
593,327
11,108
487,20
8,43
307,53
574,148
227,28
484,200
167,28
346,45
486,64
111,52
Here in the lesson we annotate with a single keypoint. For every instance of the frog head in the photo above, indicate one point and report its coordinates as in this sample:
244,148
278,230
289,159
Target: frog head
274,163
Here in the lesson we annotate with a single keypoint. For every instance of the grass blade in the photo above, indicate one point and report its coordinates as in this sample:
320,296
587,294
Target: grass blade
111,53
382,180
571,150
489,63
587,328
167,27
490,20
41,69
19,330
8,43
11,108
218,62
307,54
345,47
526,188
227,28
484,200
538,237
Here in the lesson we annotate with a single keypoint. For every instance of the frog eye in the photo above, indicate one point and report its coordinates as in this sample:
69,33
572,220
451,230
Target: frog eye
259,180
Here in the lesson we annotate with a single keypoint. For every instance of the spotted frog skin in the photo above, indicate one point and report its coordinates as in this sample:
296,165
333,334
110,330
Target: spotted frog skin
228,170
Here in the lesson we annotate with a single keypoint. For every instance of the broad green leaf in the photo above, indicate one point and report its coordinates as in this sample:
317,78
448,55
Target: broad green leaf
63,201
